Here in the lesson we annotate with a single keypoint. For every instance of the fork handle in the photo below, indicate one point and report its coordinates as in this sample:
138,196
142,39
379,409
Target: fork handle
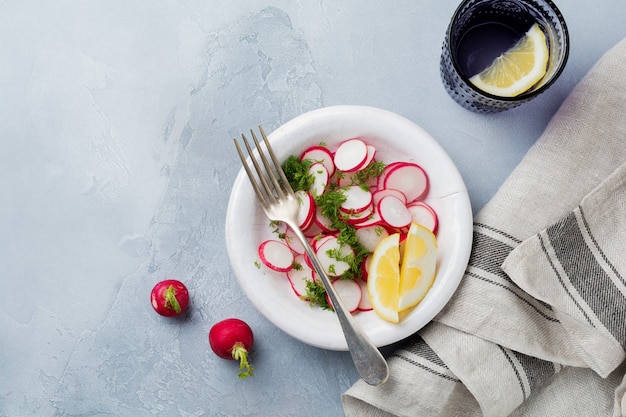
369,362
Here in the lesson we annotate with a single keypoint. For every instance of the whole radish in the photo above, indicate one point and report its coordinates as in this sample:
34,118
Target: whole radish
169,298
232,339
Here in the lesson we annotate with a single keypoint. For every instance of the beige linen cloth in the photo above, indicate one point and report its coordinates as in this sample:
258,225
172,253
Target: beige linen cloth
538,324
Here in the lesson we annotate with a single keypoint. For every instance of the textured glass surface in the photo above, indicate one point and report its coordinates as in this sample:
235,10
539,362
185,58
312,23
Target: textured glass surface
527,12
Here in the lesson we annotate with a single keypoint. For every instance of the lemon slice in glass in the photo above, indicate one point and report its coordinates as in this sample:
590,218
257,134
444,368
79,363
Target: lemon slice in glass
518,69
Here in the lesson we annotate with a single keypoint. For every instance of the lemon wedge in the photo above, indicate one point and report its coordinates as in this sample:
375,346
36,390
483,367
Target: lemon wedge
518,69
383,280
400,274
419,262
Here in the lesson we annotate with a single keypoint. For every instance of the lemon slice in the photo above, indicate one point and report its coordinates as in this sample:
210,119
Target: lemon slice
419,263
383,280
518,69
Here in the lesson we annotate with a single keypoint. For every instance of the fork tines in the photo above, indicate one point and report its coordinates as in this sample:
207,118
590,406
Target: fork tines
270,189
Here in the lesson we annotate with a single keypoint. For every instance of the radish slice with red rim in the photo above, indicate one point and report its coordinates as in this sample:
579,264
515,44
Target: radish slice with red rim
371,153
424,214
276,255
364,303
320,178
318,241
381,178
320,154
331,254
323,222
371,236
307,260
371,220
350,155
346,179
354,219
393,212
313,229
378,194
365,268
357,199
317,279
350,293
293,242
298,277
409,178
306,211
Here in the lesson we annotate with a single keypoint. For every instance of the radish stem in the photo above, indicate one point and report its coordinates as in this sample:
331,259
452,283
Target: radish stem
240,353
170,299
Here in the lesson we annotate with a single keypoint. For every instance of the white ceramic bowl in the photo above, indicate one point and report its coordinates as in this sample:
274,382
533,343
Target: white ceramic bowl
396,139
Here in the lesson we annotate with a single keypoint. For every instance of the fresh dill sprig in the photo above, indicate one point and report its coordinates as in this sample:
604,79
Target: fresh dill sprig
372,171
316,295
329,203
297,173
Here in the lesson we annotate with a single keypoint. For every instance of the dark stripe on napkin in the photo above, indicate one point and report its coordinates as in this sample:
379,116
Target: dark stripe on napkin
597,247
508,355
537,371
420,348
487,255
581,267
498,231
424,367
542,313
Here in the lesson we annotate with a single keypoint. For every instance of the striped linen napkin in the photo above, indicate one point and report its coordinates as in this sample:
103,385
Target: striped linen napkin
578,267
537,325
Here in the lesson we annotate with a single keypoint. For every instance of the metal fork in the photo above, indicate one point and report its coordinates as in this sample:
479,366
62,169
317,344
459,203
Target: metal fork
280,204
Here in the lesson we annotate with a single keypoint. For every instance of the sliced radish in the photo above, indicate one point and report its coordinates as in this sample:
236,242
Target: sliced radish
371,236
364,303
298,277
320,154
424,214
306,211
372,220
354,219
357,199
276,255
371,153
350,293
317,279
319,240
350,155
328,254
389,167
378,194
409,178
393,212
293,242
307,260
323,222
365,268
320,178
313,229
346,179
